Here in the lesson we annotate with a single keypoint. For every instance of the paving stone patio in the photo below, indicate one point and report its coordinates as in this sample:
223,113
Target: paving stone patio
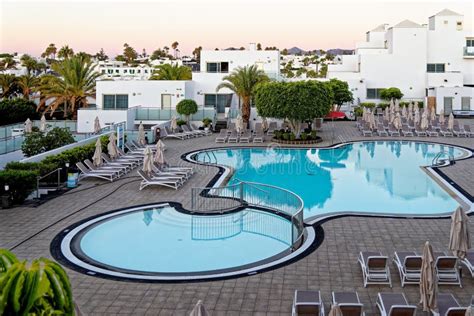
332,267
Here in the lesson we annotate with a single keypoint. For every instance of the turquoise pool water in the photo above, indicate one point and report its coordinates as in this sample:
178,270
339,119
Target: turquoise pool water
366,177
163,240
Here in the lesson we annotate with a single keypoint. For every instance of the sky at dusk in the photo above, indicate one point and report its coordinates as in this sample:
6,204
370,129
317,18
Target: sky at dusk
30,25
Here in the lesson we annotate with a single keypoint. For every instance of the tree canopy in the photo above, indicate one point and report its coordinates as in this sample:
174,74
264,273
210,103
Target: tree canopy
391,93
186,107
341,91
171,72
295,101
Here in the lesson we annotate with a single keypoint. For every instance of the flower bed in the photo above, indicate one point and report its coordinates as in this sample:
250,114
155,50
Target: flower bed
298,141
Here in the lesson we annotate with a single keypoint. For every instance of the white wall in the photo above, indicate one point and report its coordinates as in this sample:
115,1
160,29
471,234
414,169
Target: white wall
86,117
146,93
456,93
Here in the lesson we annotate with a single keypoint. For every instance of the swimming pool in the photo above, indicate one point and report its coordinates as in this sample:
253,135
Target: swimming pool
377,177
159,241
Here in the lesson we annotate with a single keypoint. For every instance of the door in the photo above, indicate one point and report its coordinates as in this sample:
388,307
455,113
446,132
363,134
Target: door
466,103
166,101
448,105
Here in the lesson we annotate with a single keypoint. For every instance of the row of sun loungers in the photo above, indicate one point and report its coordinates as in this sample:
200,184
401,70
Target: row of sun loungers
375,268
232,136
388,304
187,132
171,177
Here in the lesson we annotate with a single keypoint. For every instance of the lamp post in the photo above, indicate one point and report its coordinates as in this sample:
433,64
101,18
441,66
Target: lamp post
6,202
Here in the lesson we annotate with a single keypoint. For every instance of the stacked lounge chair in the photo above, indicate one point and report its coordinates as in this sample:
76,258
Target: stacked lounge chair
469,262
245,137
170,134
100,174
163,180
222,137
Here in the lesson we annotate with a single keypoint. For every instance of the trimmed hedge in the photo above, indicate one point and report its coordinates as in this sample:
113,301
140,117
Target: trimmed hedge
17,111
21,184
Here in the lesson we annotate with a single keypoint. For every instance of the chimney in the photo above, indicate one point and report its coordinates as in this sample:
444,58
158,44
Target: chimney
252,46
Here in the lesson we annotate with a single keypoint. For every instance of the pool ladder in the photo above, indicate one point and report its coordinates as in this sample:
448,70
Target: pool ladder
437,160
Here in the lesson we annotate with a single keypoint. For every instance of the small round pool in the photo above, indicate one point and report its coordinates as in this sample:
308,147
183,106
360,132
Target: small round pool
160,242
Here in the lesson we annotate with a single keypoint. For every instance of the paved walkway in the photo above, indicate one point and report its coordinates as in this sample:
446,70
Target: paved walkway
333,266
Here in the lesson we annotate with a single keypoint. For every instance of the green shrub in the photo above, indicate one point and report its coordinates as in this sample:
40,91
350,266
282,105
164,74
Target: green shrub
17,111
292,136
286,136
186,107
391,93
358,111
314,135
41,167
38,142
206,121
383,105
21,184
181,122
369,105
404,104
304,136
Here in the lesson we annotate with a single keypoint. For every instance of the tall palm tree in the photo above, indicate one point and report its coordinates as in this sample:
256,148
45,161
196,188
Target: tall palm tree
7,63
27,84
242,81
171,72
65,52
75,83
175,47
50,51
7,83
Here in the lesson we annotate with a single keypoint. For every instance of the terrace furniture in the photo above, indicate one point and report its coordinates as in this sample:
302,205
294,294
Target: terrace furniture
449,306
307,303
233,137
358,122
394,304
393,131
202,131
366,131
431,131
184,171
257,127
445,132
469,262
419,131
386,124
458,131
406,131
271,128
381,130
468,131
189,132
245,137
409,267
446,269
259,137
87,173
349,303
374,267
222,137
170,133
119,170
138,157
118,162
230,126
161,181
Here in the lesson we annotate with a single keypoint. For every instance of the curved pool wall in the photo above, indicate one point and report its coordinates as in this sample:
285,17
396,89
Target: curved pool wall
163,242
382,178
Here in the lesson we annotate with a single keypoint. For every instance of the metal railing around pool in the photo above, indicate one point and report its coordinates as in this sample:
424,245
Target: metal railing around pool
218,200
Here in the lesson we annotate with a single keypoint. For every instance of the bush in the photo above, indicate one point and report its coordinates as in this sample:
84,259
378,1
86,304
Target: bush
37,142
383,105
21,184
404,104
181,122
391,93
368,105
286,136
314,135
206,122
292,136
17,111
41,168
186,107
304,136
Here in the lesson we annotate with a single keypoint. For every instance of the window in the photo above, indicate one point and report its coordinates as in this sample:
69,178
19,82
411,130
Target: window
166,101
146,71
466,103
117,71
218,67
218,101
374,93
103,71
459,26
138,71
115,101
435,68
109,71
132,71
470,42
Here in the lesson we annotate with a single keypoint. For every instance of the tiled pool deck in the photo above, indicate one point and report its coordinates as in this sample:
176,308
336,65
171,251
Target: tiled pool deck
332,267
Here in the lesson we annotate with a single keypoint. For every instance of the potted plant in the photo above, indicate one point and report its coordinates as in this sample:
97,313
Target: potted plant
206,122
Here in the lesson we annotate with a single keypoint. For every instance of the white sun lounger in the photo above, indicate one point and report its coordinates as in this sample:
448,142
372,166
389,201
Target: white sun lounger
394,304
222,137
259,137
409,267
381,130
349,303
420,132
87,173
117,169
468,131
172,134
448,305
245,137
161,181
445,132
469,262
406,131
307,303
233,137
447,269
375,268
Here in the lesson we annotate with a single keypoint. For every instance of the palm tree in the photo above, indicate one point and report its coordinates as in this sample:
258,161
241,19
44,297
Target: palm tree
242,81
7,83
171,72
27,84
50,52
7,63
76,82
65,52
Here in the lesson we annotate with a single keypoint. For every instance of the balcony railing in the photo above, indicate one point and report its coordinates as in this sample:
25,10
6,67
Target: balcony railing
469,51
154,114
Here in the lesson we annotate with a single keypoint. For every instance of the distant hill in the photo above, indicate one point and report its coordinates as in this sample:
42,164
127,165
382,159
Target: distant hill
296,51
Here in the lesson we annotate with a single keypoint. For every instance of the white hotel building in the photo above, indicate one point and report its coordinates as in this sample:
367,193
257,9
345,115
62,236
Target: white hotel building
432,63
153,101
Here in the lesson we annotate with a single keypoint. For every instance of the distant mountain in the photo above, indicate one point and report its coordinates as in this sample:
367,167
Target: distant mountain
296,51
332,51
340,51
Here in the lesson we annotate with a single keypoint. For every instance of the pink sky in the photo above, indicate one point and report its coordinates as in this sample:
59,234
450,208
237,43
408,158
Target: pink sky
30,25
